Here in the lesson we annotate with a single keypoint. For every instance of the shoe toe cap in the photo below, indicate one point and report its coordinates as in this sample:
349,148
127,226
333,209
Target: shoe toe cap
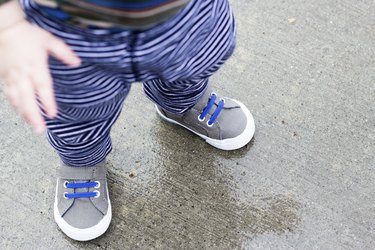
232,123
83,214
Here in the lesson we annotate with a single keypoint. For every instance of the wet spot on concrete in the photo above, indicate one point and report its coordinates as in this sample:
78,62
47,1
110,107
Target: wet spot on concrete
278,214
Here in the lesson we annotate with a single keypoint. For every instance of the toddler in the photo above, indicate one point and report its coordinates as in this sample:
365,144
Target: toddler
67,67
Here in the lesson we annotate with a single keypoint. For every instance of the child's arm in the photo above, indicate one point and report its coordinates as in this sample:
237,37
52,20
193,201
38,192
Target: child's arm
24,50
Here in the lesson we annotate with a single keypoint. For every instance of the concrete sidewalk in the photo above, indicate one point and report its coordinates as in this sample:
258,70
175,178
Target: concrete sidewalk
306,69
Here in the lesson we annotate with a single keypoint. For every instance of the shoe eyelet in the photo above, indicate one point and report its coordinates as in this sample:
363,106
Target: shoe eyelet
97,184
97,194
65,197
201,120
208,124
66,184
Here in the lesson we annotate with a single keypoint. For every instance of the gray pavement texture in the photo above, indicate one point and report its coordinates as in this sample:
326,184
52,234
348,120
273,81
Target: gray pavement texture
306,70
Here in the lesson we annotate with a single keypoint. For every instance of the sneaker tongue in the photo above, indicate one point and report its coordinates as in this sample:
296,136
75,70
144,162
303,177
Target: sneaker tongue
229,104
81,173
79,190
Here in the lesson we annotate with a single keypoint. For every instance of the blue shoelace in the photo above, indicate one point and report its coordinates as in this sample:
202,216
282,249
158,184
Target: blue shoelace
73,185
207,109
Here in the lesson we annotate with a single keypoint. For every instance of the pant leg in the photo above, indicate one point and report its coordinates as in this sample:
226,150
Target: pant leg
177,96
203,39
81,131
89,97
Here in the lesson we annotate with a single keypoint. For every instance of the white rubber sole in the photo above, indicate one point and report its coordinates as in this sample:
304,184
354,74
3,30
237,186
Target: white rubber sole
87,233
227,144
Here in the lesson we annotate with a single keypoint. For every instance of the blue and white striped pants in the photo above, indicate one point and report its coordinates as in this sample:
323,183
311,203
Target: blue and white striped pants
173,60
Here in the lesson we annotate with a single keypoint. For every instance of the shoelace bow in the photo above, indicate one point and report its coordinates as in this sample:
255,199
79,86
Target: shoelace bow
207,109
72,185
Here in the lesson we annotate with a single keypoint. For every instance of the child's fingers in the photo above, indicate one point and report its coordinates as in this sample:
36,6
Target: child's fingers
58,49
44,89
12,95
22,97
28,107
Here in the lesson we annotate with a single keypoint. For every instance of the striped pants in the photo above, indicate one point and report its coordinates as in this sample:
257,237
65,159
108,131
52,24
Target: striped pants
173,59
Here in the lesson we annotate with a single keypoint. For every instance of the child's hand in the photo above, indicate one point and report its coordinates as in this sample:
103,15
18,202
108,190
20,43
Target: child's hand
24,51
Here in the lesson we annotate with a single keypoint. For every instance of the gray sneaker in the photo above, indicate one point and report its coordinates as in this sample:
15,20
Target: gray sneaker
222,122
82,207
